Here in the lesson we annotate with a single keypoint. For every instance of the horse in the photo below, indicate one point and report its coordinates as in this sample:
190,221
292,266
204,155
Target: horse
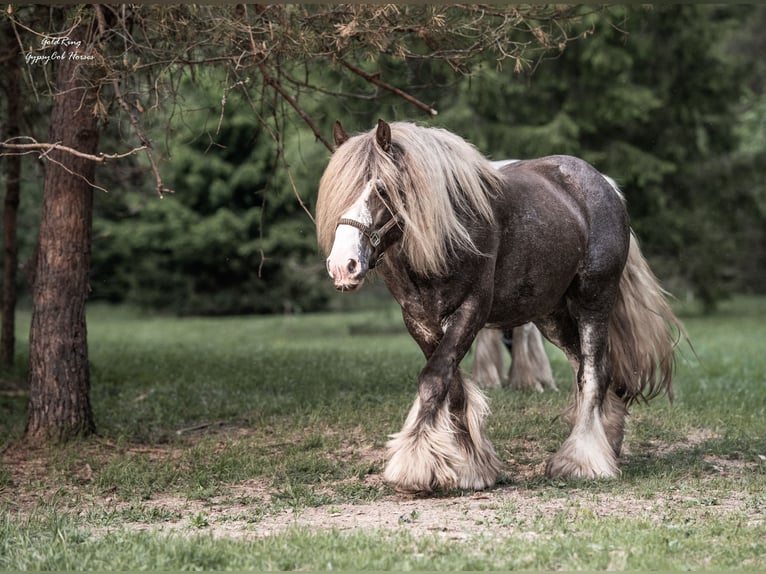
462,245
530,368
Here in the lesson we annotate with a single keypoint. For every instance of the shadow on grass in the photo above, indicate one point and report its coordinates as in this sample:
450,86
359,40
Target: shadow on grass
733,458
713,458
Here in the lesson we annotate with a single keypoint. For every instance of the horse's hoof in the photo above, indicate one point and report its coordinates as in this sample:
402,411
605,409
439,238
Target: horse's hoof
531,384
476,479
568,467
417,466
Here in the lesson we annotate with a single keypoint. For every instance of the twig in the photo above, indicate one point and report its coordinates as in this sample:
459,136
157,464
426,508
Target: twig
82,177
289,99
49,147
373,78
200,427
146,143
295,189
268,79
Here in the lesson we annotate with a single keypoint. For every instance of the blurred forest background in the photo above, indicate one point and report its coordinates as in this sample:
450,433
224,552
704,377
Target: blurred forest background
668,100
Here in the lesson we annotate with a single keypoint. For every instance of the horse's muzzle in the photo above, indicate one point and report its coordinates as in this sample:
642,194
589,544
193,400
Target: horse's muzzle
347,276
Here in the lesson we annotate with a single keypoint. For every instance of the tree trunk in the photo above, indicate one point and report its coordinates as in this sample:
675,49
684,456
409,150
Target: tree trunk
12,186
12,183
59,380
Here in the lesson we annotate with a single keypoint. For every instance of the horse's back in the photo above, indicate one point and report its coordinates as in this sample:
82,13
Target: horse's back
597,199
574,175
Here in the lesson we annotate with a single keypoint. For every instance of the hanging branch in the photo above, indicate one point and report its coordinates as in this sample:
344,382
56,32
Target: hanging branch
45,148
268,79
374,79
139,131
160,40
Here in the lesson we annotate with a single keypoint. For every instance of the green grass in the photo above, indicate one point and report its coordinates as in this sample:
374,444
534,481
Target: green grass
572,542
298,408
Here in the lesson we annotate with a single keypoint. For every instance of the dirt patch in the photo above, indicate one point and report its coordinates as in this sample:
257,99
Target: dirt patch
500,511
252,509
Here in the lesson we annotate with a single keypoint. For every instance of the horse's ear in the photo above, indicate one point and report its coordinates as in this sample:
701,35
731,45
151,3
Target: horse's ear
383,136
339,134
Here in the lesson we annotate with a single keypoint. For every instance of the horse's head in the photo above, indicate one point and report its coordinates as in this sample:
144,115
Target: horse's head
366,229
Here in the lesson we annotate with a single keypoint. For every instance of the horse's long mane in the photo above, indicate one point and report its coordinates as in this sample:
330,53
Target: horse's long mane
440,185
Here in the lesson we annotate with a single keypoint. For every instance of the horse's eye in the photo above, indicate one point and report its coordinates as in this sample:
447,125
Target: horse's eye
381,191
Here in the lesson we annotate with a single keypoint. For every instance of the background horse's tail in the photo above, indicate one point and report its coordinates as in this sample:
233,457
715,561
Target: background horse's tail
643,333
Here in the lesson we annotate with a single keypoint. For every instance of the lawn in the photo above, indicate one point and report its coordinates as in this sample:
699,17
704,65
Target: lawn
258,443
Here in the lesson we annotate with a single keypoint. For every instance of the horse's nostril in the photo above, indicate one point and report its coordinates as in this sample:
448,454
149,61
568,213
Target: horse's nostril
351,267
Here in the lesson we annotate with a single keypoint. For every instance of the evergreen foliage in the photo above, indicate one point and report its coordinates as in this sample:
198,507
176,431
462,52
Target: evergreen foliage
231,240
668,100
653,104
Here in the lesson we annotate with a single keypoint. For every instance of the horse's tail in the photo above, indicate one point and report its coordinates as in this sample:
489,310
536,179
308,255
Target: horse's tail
643,333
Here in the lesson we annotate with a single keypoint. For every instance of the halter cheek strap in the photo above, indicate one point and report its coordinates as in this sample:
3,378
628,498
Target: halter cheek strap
374,235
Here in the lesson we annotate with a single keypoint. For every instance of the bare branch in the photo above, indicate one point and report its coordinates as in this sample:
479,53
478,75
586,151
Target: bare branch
268,79
295,188
74,173
146,143
148,50
49,147
373,79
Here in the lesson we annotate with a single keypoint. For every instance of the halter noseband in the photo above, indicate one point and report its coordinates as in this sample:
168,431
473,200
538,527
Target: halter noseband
374,235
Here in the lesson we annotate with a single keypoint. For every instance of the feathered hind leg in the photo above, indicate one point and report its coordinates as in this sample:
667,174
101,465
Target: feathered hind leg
589,450
488,366
643,332
530,367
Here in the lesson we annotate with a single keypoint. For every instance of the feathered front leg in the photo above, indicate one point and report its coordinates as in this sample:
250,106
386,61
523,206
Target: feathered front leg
442,443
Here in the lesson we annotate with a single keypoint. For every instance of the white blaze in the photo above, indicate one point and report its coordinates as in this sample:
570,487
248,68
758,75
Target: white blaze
347,258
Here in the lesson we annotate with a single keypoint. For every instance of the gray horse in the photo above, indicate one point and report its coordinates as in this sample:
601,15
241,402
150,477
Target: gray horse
462,245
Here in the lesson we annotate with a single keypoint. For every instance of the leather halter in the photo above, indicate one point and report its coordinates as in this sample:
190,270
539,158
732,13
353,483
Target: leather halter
374,235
